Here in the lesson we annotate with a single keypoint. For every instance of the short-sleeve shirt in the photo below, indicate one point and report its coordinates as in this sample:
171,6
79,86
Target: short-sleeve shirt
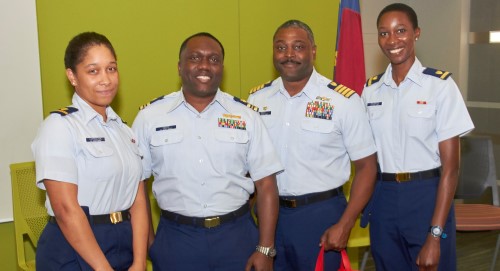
316,133
101,158
408,121
201,160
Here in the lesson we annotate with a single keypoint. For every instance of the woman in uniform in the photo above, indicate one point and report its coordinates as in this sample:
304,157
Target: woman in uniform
88,162
417,115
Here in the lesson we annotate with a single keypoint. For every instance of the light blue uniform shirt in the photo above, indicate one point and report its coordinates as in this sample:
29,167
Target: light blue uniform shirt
200,160
101,158
316,133
408,121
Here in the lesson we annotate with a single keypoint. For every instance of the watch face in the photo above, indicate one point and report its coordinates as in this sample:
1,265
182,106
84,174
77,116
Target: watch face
436,231
272,252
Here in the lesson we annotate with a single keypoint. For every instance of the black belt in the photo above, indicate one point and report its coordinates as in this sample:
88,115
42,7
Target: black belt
113,218
206,222
296,201
409,176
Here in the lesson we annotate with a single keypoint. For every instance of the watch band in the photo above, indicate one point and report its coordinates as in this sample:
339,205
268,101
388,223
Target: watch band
268,251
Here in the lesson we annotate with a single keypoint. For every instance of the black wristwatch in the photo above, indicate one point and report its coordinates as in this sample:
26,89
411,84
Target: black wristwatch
437,231
268,251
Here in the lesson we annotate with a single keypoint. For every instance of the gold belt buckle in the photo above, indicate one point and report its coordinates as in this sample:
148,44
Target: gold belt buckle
116,217
212,222
402,177
291,203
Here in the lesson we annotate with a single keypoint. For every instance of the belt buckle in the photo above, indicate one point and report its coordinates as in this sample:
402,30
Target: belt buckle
211,222
291,203
116,217
402,177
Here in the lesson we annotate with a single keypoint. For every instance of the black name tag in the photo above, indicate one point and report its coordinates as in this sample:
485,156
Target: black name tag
166,127
95,139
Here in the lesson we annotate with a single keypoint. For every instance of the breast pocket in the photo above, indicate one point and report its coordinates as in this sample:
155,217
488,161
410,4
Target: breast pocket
164,144
100,161
232,146
374,113
317,137
269,119
421,121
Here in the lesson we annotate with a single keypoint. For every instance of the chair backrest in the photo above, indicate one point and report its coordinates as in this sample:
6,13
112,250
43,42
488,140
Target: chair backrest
477,168
30,214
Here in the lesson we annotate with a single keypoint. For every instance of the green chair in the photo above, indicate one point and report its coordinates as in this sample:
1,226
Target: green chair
30,215
359,239
155,213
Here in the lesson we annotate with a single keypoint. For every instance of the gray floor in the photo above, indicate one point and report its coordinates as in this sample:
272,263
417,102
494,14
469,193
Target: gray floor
474,251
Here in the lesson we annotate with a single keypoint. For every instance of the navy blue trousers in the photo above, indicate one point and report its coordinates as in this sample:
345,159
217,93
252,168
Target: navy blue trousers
227,247
399,225
299,231
55,253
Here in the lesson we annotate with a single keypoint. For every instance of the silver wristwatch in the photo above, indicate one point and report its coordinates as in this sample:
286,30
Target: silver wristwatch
437,232
268,251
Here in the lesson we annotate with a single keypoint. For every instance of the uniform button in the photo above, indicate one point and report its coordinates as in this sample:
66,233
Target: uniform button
199,137
166,140
232,138
204,206
203,183
287,124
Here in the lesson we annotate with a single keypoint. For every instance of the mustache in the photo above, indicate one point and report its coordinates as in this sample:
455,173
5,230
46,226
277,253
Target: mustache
289,61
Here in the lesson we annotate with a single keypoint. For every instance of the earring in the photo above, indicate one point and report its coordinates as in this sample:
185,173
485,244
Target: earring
416,38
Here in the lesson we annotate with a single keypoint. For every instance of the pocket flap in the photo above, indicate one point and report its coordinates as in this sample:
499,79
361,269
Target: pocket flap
317,125
231,135
164,138
424,111
98,149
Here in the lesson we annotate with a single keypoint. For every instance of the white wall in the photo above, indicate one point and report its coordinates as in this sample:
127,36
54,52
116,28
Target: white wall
442,41
20,88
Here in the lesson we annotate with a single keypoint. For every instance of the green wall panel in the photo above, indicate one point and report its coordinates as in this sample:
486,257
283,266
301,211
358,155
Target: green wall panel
259,20
147,36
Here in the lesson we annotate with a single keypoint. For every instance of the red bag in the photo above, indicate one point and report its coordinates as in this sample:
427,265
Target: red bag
345,265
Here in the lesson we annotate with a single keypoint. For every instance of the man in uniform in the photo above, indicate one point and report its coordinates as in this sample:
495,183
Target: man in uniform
200,144
318,127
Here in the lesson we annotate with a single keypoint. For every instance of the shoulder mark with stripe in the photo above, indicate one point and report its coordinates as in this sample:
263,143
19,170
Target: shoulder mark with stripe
345,91
150,102
259,87
251,106
374,79
437,73
65,111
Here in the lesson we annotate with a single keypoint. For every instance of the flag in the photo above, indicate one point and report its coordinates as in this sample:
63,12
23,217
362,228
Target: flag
349,67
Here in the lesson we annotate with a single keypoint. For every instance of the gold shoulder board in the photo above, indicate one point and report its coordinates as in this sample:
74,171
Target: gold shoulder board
437,73
65,111
259,87
374,79
345,91
150,102
251,106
